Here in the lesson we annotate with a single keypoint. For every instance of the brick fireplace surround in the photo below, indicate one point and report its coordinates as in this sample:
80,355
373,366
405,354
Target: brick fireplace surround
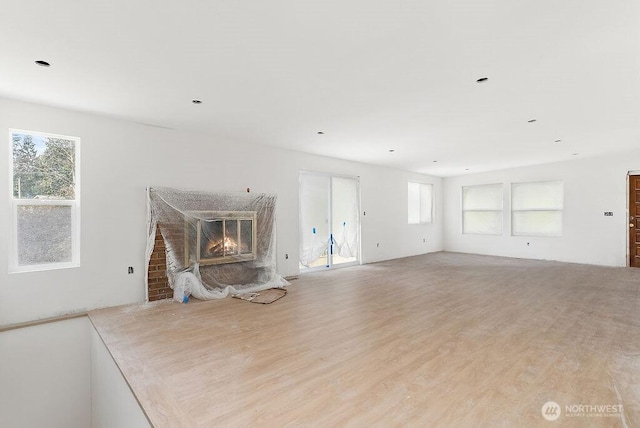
158,283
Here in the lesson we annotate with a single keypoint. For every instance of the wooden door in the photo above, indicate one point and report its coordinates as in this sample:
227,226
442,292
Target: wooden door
634,220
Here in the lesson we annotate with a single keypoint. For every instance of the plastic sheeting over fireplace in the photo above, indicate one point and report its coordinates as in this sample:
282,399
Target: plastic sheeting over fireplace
216,244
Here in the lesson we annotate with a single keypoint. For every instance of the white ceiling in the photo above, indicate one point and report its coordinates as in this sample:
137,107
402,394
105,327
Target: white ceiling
373,75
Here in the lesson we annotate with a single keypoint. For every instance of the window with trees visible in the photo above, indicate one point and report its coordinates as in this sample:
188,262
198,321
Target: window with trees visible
46,201
420,203
482,208
536,208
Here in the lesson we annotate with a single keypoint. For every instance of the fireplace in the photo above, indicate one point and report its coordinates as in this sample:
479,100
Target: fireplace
217,237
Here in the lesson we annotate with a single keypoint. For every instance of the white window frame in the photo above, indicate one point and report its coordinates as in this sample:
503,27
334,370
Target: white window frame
421,203
74,204
560,210
500,211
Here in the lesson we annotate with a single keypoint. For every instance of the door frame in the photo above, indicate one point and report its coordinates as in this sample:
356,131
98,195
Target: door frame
628,214
329,207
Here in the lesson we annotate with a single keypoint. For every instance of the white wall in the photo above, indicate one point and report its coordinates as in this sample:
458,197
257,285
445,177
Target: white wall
112,402
61,375
120,159
591,187
45,376
264,169
114,176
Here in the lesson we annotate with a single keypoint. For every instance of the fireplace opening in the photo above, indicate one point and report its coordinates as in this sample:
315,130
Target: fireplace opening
221,237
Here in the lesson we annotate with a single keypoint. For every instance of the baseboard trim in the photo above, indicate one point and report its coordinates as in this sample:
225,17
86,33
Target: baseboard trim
33,323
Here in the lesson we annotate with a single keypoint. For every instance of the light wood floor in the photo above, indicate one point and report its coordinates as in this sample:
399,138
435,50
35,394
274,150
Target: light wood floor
437,340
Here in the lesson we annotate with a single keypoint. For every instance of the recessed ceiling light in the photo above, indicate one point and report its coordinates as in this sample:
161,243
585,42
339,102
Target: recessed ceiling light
531,120
558,141
391,150
320,133
196,101
43,63
482,79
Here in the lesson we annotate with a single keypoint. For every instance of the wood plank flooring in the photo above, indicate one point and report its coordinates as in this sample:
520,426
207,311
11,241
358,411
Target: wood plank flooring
442,339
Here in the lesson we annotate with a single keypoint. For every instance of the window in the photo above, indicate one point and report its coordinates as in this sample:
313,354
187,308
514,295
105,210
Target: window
482,209
536,208
45,195
420,204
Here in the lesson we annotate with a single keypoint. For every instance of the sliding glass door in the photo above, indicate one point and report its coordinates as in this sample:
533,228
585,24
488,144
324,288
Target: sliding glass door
329,220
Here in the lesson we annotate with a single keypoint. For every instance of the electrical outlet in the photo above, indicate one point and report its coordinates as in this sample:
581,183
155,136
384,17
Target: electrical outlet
130,270
286,256
528,244
608,213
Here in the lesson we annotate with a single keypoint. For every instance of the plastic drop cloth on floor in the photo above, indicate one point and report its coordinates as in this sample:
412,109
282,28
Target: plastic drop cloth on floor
217,244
